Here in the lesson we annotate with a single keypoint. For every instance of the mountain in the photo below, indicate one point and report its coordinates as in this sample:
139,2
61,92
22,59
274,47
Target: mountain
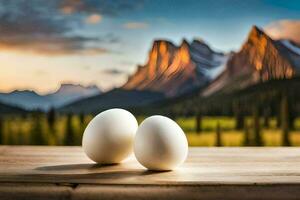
119,98
26,99
30,100
68,93
176,70
259,60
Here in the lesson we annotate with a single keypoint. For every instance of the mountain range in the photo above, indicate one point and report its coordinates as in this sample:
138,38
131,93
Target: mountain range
194,68
66,94
172,72
177,70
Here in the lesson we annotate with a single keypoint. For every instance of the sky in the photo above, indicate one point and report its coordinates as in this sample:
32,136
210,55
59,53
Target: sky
45,43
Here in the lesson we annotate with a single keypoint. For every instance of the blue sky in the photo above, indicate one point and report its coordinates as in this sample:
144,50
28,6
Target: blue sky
101,42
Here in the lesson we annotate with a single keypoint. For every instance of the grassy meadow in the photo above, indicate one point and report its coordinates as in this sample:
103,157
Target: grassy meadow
39,129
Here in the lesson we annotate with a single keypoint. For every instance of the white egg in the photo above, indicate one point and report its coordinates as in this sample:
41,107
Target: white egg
160,144
109,137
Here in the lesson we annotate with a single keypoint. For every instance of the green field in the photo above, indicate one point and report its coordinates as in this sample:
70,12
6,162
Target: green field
67,130
272,136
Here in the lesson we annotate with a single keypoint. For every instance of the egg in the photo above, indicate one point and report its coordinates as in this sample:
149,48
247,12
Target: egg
160,144
109,137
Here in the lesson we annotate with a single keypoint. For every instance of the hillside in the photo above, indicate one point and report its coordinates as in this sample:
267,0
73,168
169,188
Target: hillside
265,95
7,109
116,98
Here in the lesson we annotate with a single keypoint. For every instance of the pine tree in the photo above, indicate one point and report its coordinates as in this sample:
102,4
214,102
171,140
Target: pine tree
267,117
278,112
81,124
292,117
239,117
239,121
246,135
82,120
1,130
9,137
218,135
51,118
172,114
284,107
256,127
37,134
69,138
198,123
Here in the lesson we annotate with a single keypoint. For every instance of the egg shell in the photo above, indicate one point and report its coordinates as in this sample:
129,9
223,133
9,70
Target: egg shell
160,143
109,137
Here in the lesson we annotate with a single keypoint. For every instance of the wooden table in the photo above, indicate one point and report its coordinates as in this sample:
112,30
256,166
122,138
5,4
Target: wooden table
31,172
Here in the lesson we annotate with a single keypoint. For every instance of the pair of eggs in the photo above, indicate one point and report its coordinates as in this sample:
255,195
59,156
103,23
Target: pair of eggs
158,143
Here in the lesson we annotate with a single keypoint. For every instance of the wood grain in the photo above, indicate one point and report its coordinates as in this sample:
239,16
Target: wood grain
208,173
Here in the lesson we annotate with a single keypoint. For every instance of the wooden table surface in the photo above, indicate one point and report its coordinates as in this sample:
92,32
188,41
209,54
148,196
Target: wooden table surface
35,172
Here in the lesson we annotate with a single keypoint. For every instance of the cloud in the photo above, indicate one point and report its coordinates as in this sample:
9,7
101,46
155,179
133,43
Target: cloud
67,10
113,71
104,7
135,25
49,27
284,29
128,63
40,72
50,45
109,38
93,19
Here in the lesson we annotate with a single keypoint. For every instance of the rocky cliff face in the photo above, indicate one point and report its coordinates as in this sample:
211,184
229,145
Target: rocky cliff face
260,59
175,70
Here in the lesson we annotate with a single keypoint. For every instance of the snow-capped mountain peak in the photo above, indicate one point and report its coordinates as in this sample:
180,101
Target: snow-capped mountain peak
291,46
